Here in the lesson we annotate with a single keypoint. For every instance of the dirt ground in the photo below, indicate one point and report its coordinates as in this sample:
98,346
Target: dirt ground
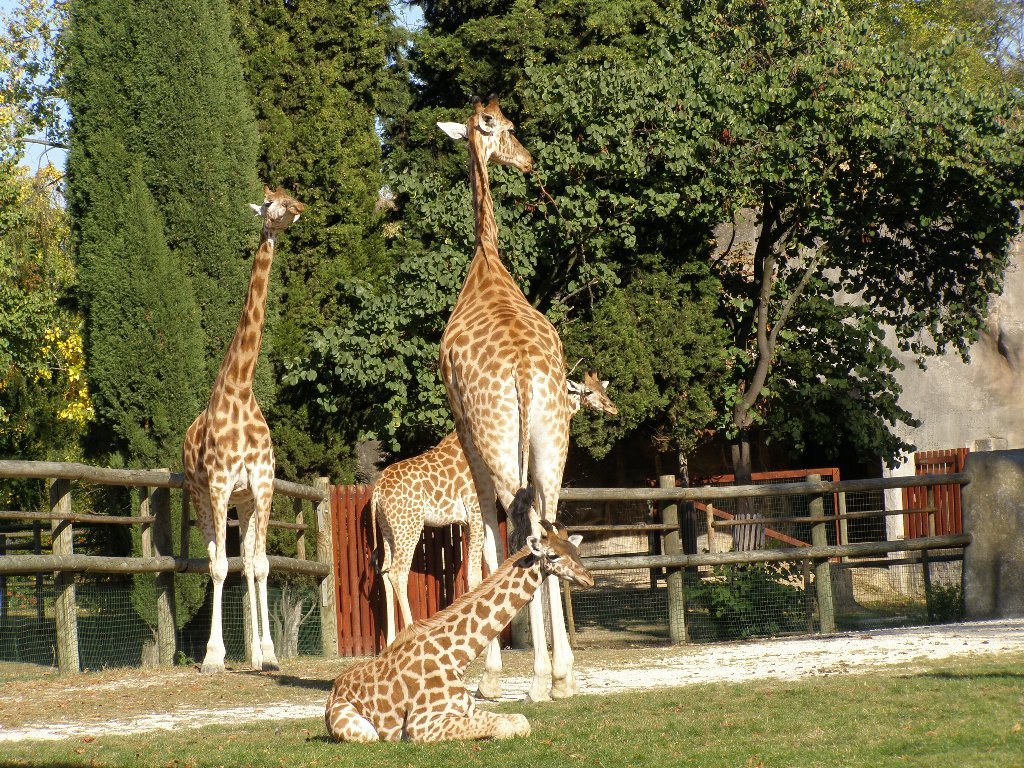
35,706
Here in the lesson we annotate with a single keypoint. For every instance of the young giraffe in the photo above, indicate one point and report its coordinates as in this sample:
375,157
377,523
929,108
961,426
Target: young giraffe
414,689
436,489
504,372
228,455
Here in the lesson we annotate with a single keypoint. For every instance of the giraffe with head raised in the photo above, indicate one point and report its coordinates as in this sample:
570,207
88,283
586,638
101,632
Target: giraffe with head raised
503,368
436,489
228,456
415,690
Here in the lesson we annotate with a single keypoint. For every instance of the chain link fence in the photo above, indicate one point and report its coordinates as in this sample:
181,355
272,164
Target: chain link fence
734,602
111,633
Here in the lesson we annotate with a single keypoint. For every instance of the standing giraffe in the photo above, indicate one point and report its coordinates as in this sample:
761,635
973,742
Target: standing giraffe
415,688
504,372
436,489
228,455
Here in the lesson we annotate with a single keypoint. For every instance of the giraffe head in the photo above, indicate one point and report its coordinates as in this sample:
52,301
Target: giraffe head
492,135
591,394
558,555
278,209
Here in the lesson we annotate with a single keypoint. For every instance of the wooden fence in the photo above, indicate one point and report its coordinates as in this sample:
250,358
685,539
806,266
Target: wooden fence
361,618
944,498
158,557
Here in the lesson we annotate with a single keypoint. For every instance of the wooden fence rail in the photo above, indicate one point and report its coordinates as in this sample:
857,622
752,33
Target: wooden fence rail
158,556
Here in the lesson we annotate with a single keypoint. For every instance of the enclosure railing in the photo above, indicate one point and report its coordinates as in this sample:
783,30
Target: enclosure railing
157,547
819,554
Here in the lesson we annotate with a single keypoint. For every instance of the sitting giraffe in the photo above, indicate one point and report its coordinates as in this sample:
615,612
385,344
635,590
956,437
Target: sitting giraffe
414,689
436,489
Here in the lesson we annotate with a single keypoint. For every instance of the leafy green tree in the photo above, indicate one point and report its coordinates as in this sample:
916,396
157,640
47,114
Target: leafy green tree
314,72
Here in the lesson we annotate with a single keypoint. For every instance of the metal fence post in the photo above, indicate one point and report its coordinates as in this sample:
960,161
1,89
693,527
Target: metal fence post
822,567
672,545
325,554
65,607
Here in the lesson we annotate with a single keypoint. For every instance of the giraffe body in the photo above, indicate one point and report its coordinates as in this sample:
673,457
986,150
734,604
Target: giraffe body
503,368
228,455
415,688
436,489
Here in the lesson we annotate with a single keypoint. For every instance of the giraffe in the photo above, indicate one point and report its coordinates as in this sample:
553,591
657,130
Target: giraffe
436,489
415,690
228,456
503,369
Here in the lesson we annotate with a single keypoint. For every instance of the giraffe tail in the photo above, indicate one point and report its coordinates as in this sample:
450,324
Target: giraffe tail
524,392
518,514
377,554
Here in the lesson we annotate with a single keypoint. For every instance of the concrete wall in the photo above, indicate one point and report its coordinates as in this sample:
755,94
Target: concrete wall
993,514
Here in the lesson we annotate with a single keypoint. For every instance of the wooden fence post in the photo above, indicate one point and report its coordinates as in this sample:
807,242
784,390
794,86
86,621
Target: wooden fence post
925,559
300,537
65,607
822,567
672,545
325,554
162,535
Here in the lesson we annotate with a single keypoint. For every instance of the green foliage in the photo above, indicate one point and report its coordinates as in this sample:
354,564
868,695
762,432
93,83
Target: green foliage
314,71
754,600
945,603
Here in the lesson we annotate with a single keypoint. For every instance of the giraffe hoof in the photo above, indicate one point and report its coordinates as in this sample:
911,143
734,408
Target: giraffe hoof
538,693
513,726
212,668
271,665
489,687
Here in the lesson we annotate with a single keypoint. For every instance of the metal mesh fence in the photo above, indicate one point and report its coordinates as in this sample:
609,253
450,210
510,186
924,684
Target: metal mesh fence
112,634
631,607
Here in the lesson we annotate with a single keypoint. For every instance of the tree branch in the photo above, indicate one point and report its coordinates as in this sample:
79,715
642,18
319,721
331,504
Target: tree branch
43,142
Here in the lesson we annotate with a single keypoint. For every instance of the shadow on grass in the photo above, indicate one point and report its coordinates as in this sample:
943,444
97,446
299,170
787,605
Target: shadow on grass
945,674
304,682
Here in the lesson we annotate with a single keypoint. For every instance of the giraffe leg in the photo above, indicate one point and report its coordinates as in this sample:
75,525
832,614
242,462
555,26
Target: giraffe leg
431,726
549,445
344,723
389,591
405,542
215,531
247,535
261,570
490,681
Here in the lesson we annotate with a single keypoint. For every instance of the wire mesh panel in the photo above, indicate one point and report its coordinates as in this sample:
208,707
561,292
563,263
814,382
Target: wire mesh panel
112,634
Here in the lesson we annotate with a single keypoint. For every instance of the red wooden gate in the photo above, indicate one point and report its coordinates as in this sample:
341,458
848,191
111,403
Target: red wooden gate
947,497
439,572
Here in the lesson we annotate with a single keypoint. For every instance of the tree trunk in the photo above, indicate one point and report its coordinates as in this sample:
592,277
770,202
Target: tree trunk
744,537
288,619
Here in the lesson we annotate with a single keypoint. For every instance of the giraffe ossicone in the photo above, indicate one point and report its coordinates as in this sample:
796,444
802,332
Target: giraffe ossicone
228,455
415,689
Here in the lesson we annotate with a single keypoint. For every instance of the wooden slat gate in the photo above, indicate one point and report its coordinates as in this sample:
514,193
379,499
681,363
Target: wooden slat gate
947,497
439,572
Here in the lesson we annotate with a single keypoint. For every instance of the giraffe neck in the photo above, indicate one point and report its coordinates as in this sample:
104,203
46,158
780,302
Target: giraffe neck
239,364
486,268
476,618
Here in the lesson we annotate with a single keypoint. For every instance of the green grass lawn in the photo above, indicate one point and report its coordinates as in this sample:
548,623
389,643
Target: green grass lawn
960,713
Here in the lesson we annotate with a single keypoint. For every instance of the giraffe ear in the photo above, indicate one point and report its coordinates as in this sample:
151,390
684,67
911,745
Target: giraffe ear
576,540
457,131
257,209
533,542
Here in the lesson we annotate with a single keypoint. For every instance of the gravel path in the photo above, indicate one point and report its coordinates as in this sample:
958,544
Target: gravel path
651,668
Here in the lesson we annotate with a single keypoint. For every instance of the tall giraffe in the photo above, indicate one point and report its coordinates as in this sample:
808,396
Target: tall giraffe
228,455
415,688
436,489
504,371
